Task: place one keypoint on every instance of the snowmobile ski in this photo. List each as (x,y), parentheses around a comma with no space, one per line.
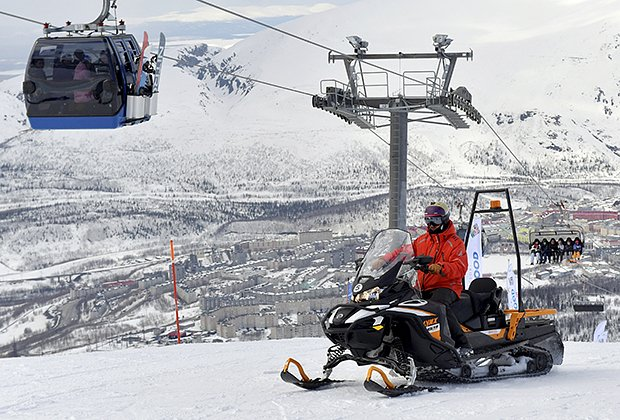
(305,381)
(390,389)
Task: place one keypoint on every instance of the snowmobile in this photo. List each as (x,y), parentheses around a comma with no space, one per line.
(388,324)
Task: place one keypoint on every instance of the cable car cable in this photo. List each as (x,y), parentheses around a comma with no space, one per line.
(517,159)
(409,160)
(262,82)
(316,44)
(306,40)
(580,278)
(22,18)
(301,92)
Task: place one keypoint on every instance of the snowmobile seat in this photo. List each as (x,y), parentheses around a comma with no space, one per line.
(479,306)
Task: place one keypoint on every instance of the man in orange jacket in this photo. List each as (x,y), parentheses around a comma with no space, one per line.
(443,281)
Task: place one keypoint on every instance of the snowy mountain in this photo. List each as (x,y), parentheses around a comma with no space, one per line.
(241,380)
(224,149)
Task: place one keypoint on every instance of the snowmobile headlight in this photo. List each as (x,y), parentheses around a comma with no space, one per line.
(369,295)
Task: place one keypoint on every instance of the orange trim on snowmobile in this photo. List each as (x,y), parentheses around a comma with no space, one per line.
(532,312)
(304,377)
(388,384)
(497,336)
(514,322)
(433,327)
(516,316)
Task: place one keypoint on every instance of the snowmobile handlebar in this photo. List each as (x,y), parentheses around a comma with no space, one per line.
(421,262)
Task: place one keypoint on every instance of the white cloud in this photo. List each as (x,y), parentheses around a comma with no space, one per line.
(209,14)
(573,16)
(212,42)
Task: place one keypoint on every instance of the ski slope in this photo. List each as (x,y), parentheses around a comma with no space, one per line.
(240,380)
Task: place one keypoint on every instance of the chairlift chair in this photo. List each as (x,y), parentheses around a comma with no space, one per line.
(557,232)
(589,303)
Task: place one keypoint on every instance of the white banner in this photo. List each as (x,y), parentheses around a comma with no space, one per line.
(511,287)
(474,252)
(600,333)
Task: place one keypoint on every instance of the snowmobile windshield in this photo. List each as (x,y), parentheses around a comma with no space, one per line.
(389,247)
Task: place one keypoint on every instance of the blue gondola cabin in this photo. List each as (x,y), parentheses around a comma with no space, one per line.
(86,83)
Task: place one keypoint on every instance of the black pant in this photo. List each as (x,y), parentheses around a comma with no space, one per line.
(447,297)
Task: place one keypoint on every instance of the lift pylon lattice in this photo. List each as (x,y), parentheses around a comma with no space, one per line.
(425,94)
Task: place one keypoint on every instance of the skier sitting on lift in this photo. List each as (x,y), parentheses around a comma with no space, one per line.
(535,252)
(577,250)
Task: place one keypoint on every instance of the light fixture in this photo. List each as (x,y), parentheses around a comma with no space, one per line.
(441,42)
(359,45)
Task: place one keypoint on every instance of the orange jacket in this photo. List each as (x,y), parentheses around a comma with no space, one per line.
(447,250)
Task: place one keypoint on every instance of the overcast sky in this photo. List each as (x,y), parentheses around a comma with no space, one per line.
(180,19)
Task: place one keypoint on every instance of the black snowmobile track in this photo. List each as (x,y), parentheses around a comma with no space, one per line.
(433,374)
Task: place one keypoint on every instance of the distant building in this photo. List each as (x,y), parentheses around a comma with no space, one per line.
(187,296)
(595,215)
(179,270)
(290,331)
(239,256)
(193,262)
(315,236)
(271,244)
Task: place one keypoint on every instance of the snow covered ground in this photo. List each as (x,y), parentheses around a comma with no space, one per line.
(241,380)
(5,270)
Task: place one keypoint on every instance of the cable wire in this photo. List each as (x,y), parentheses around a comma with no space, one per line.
(581,278)
(409,160)
(517,159)
(316,44)
(251,79)
(306,40)
(22,18)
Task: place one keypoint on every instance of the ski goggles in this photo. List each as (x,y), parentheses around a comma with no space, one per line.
(433,220)
(434,210)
